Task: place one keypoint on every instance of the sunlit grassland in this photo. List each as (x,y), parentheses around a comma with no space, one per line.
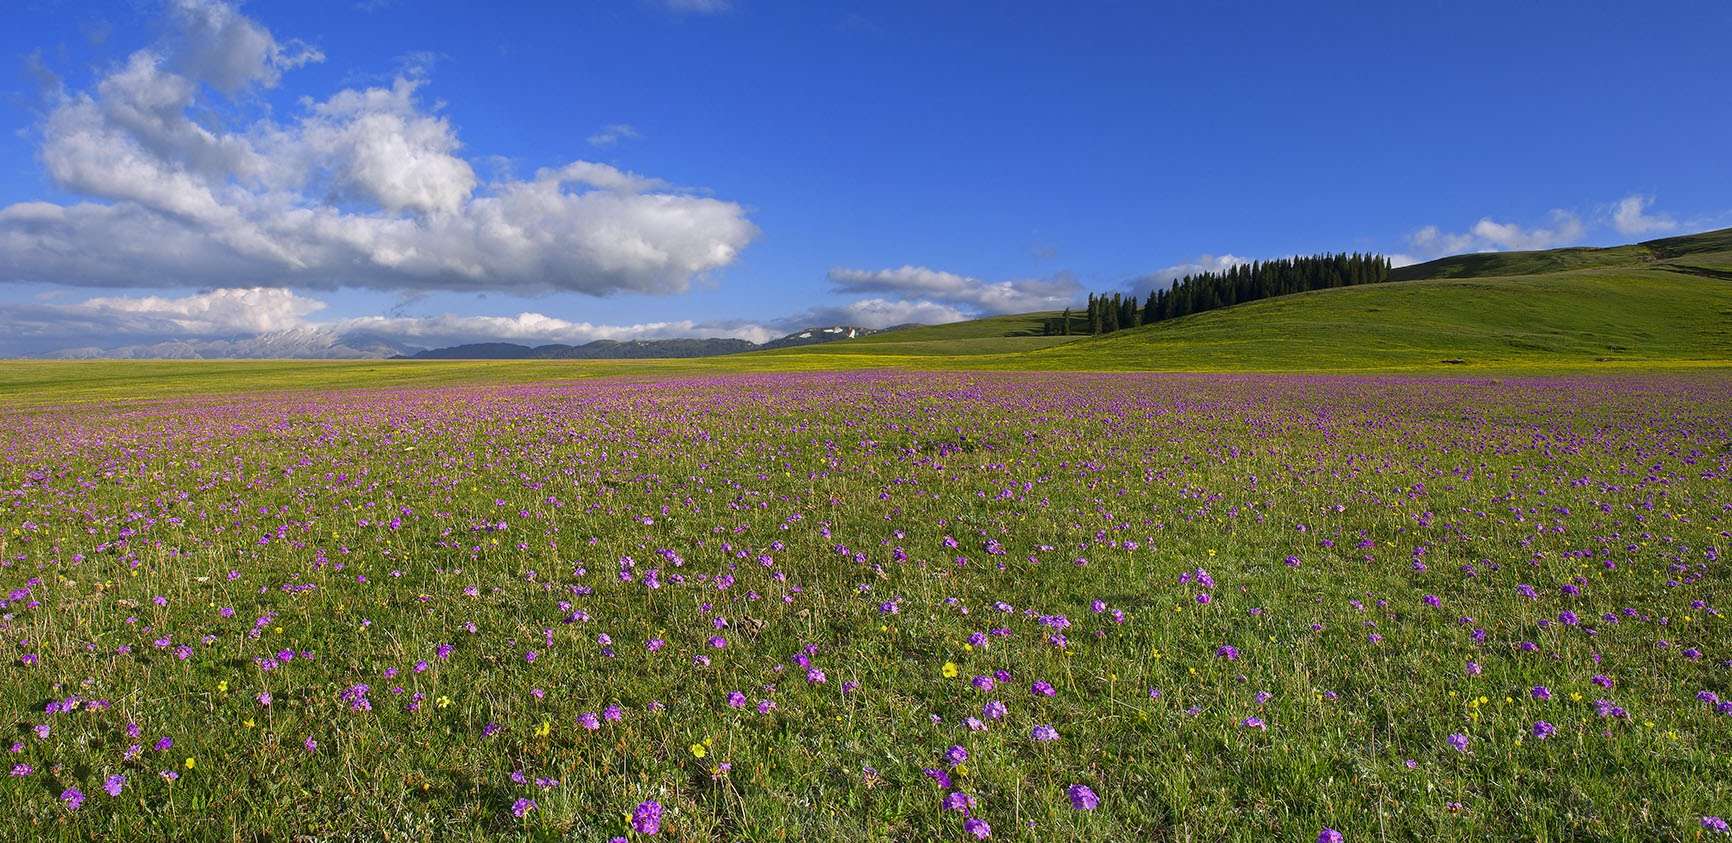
(874,524)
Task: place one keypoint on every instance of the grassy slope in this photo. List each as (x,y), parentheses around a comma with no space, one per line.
(1573,320)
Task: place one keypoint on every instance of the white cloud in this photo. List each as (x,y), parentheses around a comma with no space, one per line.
(613,133)
(378,148)
(700,7)
(227,311)
(365,188)
(931,285)
(276,322)
(536,328)
(220,46)
(1489,235)
(1566,229)
(878,313)
(1629,216)
(1161,278)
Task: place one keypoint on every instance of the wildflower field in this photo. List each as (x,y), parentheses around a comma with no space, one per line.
(874,606)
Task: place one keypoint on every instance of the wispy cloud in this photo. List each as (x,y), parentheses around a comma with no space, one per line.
(961,291)
(612,134)
(697,7)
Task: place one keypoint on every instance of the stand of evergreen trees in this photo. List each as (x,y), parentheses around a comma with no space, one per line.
(1237,285)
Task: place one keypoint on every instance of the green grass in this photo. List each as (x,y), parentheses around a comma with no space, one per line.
(1490,264)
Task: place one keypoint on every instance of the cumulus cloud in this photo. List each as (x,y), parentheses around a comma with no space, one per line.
(1630,216)
(254,310)
(1489,235)
(923,285)
(220,46)
(877,313)
(276,322)
(535,328)
(365,188)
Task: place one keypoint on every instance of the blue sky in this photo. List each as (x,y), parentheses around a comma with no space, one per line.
(343,177)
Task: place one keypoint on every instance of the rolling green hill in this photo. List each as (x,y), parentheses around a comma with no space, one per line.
(1661,302)
(1709,249)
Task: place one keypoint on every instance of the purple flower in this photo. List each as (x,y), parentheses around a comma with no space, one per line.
(1082,798)
(1044,733)
(522,807)
(1716,825)
(1541,692)
(1227,652)
(73,797)
(977,827)
(647,819)
(959,802)
(1330,835)
(1458,741)
(955,755)
(1543,730)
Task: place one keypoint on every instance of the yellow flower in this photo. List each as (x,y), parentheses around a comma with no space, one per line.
(444,702)
(698,750)
(190,763)
(542,730)
(223,687)
(248,723)
(949,670)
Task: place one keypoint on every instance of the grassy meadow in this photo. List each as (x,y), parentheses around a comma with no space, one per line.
(874,606)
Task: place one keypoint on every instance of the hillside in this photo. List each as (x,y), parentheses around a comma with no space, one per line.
(1663,301)
(1709,250)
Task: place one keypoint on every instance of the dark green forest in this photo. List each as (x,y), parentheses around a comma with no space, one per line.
(1205,291)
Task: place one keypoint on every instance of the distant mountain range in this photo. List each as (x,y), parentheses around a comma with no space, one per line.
(629,349)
